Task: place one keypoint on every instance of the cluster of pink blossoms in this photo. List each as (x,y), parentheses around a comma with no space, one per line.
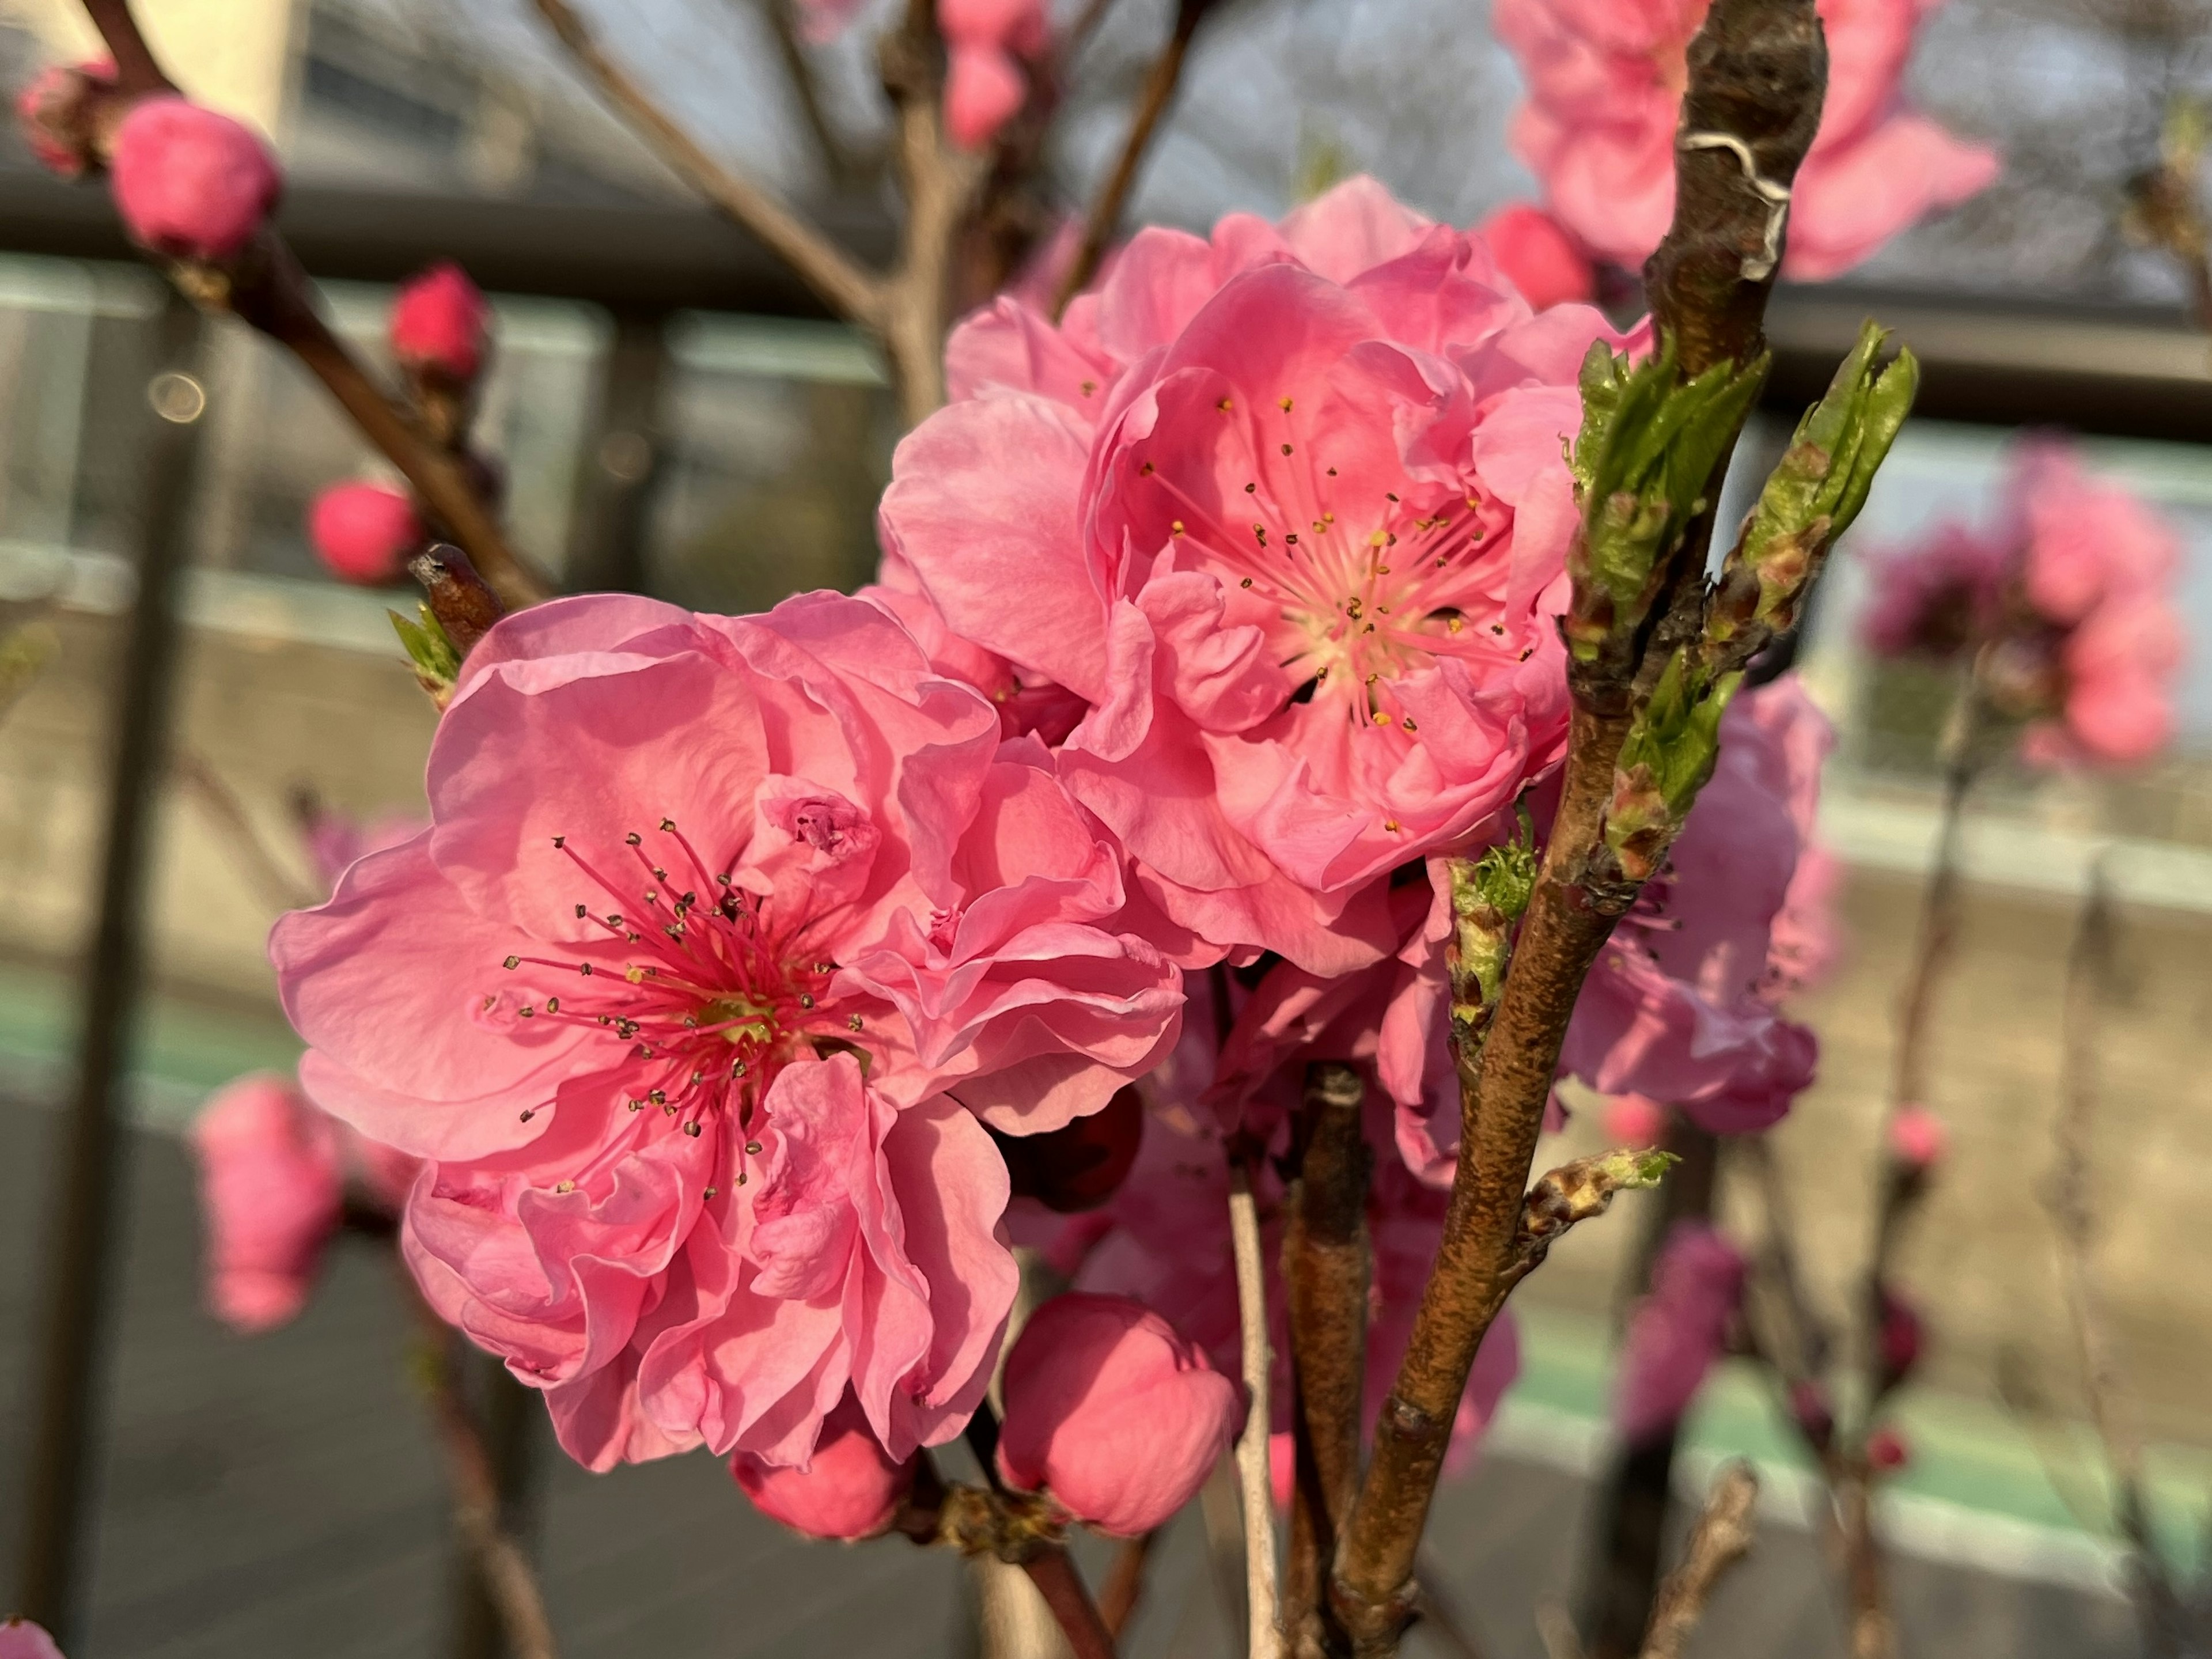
(1605,80)
(2064,604)
(745,960)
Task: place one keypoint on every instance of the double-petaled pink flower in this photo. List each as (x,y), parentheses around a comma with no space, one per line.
(1282,557)
(1605,80)
(725,932)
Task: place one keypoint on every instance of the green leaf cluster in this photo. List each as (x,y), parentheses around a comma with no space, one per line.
(1649,444)
(429,648)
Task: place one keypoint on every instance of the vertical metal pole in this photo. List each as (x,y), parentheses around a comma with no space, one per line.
(81,1250)
(607,548)
(509,1417)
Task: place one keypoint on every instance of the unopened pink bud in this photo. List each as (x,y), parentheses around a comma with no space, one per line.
(1534,250)
(272,1194)
(190,182)
(849,1489)
(1111,1412)
(1902,1336)
(1634,1121)
(54,113)
(22,1640)
(1917,1139)
(1885,1449)
(1283,1468)
(440,323)
(364,531)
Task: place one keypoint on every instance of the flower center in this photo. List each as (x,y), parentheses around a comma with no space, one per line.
(707,991)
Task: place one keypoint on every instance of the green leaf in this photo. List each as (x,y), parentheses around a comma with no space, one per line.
(437,664)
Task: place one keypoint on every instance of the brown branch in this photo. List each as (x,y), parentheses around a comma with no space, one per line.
(1255,1488)
(1019,1528)
(1723,1535)
(1757,68)
(798,71)
(508,1577)
(1124,1582)
(848,290)
(1053,1574)
(1326,1275)
(266,288)
(279,887)
(1159,91)
(2158,1607)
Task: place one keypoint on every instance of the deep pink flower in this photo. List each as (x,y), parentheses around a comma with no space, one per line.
(778,912)
(1291,524)
(272,1190)
(22,1640)
(848,1489)
(1605,82)
(364,532)
(191,184)
(52,113)
(1935,599)
(1535,251)
(1113,1412)
(1678,1329)
(1680,1005)
(440,325)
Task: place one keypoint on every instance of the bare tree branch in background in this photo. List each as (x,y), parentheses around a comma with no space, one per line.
(276,884)
(837,158)
(1724,1534)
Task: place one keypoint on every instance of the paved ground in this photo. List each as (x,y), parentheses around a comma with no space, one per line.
(276,1497)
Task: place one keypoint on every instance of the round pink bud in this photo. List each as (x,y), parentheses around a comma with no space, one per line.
(54,112)
(848,1489)
(440,324)
(1111,1412)
(1917,1139)
(190,183)
(1634,1121)
(1885,1449)
(364,531)
(1534,250)
(22,1640)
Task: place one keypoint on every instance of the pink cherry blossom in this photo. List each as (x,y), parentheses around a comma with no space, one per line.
(1678,1330)
(1113,1412)
(1680,1005)
(848,1489)
(724,931)
(271,1193)
(22,1640)
(1535,251)
(53,114)
(191,184)
(440,325)
(364,532)
(1291,526)
(1605,82)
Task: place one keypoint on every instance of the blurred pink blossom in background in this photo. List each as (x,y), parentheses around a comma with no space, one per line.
(50,113)
(22,1640)
(364,532)
(985,42)
(1605,81)
(1677,1331)
(440,325)
(273,1191)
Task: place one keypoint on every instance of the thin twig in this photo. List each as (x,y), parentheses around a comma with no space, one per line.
(849,290)
(279,887)
(1263,1637)
(1723,1535)
(509,1579)
(1326,1274)
(2159,1606)
(1159,90)
(1124,1581)
(806,87)
(267,288)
